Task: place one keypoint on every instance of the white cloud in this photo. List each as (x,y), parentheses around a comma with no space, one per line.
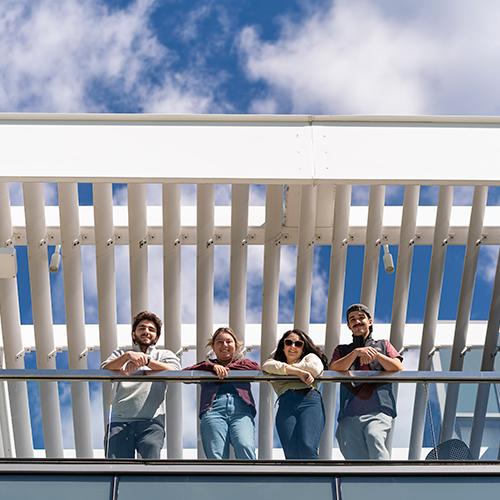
(463,195)
(16,193)
(487,262)
(76,56)
(379,57)
(360,195)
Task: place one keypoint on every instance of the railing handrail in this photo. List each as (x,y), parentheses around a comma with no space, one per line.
(191,376)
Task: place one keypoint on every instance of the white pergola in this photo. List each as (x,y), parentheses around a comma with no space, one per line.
(308,165)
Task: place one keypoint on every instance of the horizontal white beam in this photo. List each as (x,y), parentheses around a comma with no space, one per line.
(426,218)
(413,334)
(276,149)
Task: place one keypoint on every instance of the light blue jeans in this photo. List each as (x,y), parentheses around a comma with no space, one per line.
(228,421)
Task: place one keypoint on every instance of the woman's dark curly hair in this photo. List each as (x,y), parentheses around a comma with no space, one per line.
(309,347)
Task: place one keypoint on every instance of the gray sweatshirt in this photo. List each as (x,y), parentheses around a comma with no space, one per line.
(140,400)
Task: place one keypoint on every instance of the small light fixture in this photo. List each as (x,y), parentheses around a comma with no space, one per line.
(55,260)
(388,261)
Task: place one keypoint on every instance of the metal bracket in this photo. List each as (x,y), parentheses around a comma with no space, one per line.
(347,240)
(184,349)
(414,240)
(143,242)
(465,350)
(447,239)
(481,239)
(433,351)
(52,354)
(84,353)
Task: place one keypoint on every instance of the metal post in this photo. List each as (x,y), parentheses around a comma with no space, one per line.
(372,246)
(487,364)
(238,270)
(403,270)
(204,272)
(270,296)
(138,247)
(464,306)
(172,308)
(431,315)
(106,282)
(407,239)
(36,233)
(340,241)
(12,340)
(75,320)
(6,434)
(305,254)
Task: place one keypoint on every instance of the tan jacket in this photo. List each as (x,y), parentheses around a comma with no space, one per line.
(310,363)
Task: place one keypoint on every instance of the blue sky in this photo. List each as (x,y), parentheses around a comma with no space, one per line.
(256,56)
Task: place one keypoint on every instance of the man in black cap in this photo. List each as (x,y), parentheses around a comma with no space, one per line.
(366,410)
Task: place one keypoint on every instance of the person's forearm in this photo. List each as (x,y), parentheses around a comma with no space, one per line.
(293,370)
(343,364)
(117,363)
(160,366)
(389,364)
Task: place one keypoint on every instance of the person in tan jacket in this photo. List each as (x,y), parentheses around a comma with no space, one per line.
(300,419)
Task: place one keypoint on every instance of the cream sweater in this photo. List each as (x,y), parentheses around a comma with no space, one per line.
(310,363)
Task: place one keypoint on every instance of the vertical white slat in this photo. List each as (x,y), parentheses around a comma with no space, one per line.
(106,281)
(138,247)
(403,268)
(42,314)
(407,239)
(372,246)
(464,306)
(338,256)
(431,315)
(75,317)
(12,340)
(172,308)
(204,272)
(239,250)
(487,364)
(305,254)
(6,434)
(270,296)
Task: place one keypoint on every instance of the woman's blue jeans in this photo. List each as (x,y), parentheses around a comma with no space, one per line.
(228,421)
(300,421)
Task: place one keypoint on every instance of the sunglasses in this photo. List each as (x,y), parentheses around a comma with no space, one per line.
(296,343)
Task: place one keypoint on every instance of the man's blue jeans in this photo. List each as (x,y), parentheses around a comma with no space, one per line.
(228,421)
(145,436)
(300,420)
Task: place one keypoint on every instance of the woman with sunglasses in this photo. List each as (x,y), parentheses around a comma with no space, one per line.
(301,417)
(227,410)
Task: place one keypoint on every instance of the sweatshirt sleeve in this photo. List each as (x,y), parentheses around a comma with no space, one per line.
(168,357)
(206,366)
(274,367)
(244,364)
(312,364)
(114,355)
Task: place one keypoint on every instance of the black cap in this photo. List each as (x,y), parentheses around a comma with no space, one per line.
(357,307)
